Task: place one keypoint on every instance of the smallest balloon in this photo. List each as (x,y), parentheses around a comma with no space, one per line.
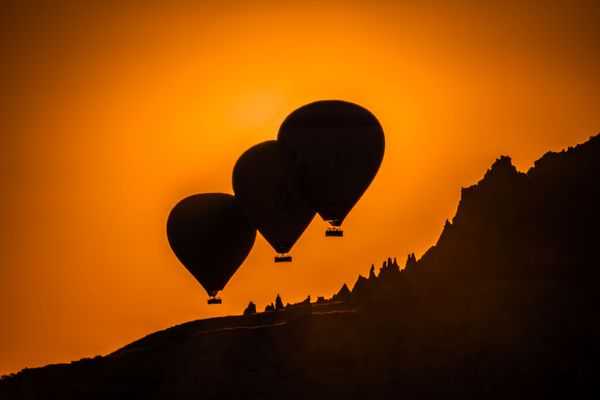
(211,236)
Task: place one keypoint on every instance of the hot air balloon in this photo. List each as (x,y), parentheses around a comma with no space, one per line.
(268,196)
(332,149)
(211,236)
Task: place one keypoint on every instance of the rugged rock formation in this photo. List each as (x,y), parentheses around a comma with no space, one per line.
(251,309)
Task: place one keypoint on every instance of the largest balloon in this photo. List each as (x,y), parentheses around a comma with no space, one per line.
(333,150)
(211,236)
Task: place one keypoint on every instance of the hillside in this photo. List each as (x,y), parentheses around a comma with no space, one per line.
(503,306)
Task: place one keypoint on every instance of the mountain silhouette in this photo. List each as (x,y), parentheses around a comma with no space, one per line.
(504,305)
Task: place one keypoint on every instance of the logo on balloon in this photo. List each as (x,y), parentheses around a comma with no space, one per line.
(280,189)
(349,161)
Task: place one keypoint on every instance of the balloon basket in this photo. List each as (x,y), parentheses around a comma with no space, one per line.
(283,258)
(334,232)
(214,300)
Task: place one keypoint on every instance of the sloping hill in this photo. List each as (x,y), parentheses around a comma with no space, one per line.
(503,306)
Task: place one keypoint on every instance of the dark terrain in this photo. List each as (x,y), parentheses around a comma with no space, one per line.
(503,306)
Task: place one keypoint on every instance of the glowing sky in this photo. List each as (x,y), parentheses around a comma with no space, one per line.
(111,114)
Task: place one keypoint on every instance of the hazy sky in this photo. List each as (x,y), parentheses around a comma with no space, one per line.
(110,114)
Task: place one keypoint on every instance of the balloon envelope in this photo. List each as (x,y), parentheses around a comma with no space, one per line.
(333,150)
(211,236)
(269,198)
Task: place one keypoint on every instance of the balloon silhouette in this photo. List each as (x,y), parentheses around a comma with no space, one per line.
(269,198)
(211,236)
(332,149)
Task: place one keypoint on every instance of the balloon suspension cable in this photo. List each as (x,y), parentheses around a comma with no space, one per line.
(214,300)
(334,231)
(279,258)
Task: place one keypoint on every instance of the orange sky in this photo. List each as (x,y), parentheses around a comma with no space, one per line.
(111,114)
